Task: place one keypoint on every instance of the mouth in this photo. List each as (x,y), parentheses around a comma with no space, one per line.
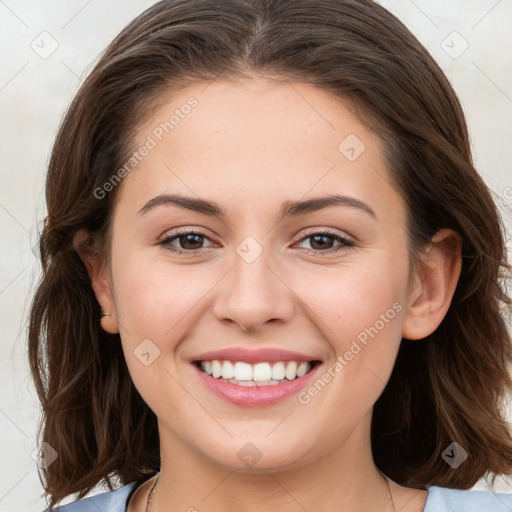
(255,377)
(262,374)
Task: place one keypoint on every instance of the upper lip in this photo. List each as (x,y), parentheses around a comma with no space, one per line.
(253,355)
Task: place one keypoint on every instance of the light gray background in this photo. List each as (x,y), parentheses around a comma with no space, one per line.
(35,89)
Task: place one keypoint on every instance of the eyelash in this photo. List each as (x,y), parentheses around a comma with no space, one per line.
(346,244)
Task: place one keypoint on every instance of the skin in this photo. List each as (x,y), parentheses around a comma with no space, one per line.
(250,146)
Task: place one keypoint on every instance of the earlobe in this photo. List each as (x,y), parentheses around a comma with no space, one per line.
(99,279)
(435,285)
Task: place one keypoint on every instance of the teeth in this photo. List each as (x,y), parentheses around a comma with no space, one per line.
(228,370)
(278,371)
(259,374)
(216,369)
(302,369)
(248,383)
(251,383)
(243,371)
(291,370)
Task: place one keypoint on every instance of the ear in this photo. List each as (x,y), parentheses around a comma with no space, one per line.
(99,277)
(434,287)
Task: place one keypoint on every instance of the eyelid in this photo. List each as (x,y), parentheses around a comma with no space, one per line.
(187,229)
(304,233)
(345,243)
(175,233)
(307,232)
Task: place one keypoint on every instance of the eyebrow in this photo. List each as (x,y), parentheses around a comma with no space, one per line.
(288,208)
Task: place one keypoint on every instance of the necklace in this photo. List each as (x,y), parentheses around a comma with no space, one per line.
(151,492)
(153,488)
(390,498)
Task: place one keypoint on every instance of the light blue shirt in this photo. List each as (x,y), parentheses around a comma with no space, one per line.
(439,499)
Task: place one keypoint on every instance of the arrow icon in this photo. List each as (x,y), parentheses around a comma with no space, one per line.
(454,455)
(44,44)
(454,45)
(351,147)
(249,454)
(249,249)
(146,352)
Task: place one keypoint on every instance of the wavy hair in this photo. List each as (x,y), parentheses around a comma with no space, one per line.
(449,387)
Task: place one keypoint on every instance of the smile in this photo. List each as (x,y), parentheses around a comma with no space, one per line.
(255,385)
(260,374)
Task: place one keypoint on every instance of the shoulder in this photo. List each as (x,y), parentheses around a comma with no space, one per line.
(110,501)
(442,499)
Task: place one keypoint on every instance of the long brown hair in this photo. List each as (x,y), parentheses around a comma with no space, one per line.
(447,388)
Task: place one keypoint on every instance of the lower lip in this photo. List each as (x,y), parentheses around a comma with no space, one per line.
(255,396)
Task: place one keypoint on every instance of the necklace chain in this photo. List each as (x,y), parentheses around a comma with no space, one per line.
(153,488)
(151,492)
(390,497)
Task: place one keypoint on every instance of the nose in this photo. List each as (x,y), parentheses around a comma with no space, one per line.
(254,294)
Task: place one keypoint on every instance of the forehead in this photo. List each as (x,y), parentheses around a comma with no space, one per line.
(257,141)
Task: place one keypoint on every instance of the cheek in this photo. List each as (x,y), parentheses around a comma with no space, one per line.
(358,312)
(156,305)
(351,299)
(158,300)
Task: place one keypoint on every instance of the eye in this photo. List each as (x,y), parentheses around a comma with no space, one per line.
(321,244)
(189,240)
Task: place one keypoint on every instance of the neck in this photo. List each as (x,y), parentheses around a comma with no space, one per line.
(345,478)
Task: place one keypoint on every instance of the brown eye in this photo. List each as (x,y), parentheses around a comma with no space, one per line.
(188,242)
(323,242)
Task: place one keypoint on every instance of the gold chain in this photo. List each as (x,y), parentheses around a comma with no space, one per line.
(151,492)
(153,488)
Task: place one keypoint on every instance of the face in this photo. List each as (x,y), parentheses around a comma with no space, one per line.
(269,280)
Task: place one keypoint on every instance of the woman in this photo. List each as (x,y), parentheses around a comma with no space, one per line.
(272,275)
